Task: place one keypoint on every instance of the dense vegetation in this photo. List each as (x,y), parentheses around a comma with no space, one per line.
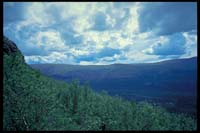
(32,101)
(171,84)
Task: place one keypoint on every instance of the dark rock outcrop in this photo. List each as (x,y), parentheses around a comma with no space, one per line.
(10,50)
(9,47)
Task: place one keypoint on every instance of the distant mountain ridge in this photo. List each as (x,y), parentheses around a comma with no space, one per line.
(69,72)
(169,80)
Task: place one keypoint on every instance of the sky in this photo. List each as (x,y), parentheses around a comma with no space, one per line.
(101,33)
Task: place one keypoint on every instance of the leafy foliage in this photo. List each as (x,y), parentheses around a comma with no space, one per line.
(35,102)
(173,84)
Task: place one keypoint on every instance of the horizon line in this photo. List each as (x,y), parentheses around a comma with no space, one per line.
(112,63)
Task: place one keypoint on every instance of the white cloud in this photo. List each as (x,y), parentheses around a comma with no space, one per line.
(81,24)
(191,44)
(98,38)
(110,59)
(159,41)
(79,52)
(54,57)
(37,13)
(48,40)
(168,46)
(68,28)
(110,21)
(86,63)
(132,25)
(79,14)
(190,38)
(140,57)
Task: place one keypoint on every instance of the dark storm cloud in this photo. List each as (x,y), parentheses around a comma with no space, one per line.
(175,46)
(168,17)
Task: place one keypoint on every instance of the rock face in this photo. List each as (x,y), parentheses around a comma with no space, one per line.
(11,52)
(9,47)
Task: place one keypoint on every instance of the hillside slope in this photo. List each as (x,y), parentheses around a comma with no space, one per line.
(179,76)
(32,101)
(172,84)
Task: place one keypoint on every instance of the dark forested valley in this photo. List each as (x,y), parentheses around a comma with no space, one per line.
(171,84)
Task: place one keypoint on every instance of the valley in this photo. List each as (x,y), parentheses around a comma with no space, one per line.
(168,83)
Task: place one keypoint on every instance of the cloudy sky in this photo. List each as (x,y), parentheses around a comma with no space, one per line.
(102,33)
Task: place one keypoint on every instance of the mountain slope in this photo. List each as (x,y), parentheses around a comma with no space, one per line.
(172,84)
(26,92)
(183,73)
(32,101)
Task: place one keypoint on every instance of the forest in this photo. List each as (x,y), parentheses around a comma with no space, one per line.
(171,84)
(32,101)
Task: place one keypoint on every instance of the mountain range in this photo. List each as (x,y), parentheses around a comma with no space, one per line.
(171,83)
